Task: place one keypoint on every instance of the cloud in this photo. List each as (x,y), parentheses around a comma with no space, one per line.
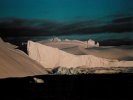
(118,25)
(116,42)
(25,27)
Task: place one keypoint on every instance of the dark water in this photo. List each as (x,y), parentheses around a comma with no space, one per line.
(75,87)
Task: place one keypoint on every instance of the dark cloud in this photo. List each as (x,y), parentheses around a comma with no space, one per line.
(123,20)
(118,25)
(25,27)
(116,42)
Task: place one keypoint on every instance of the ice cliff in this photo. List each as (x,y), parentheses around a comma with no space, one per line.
(51,57)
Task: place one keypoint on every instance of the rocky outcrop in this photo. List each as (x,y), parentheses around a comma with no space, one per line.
(97,70)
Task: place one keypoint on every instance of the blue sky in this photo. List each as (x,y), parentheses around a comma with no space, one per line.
(64,10)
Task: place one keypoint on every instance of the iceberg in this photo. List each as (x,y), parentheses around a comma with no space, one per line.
(50,57)
(15,63)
